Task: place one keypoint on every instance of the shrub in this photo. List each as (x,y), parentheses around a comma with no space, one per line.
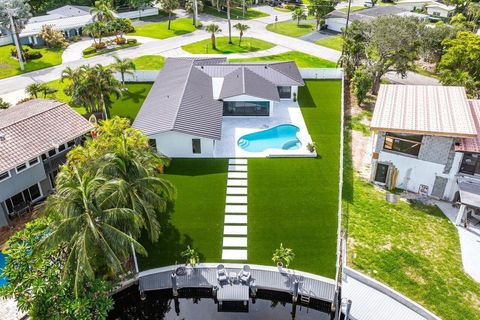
(362,82)
(25,100)
(52,37)
(132,41)
(88,51)
(120,41)
(99,45)
(27,53)
(75,38)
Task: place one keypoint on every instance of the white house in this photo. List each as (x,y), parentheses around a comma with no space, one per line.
(412,5)
(184,110)
(440,10)
(426,138)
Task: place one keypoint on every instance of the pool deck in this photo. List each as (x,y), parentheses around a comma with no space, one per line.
(285,112)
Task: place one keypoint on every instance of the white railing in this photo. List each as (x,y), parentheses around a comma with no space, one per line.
(145,12)
(321,73)
(139,76)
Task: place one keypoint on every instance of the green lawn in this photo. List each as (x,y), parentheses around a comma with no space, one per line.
(290,28)
(126,106)
(149,62)
(197,218)
(280,9)
(123,46)
(223,47)
(333,42)
(235,13)
(10,67)
(302,60)
(158,30)
(294,201)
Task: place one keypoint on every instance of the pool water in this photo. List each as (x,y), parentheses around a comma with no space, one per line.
(3,280)
(283,137)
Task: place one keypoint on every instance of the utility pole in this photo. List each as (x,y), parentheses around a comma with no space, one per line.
(13,29)
(229,23)
(345,30)
(195,13)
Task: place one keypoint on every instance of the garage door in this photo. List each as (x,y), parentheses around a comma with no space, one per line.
(335,24)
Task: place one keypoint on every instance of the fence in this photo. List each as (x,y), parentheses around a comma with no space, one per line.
(139,76)
(144,12)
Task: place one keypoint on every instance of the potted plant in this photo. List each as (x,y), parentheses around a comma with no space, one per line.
(283,256)
(294,97)
(311,146)
(191,257)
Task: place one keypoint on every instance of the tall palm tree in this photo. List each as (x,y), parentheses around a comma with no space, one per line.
(97,232)
(229,23)
(213,29)
(124,66)
(34,89)
(242,28)
(299,14)
(168,6)
(102,11)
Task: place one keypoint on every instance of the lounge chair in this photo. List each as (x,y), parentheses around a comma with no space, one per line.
(221,273)
(244,274)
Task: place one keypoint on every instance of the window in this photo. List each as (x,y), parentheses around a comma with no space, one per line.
(28,195)
(153,144)
(403,143)
(436,14)
(21,167)
(285,92)
(33,162)
(4,176)
(71,143)
(44,157)
(52,152)
(470,163)
(246,108)
(381,173)
(61,147)
(196,146)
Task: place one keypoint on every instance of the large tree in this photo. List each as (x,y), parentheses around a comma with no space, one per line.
(169,6)
(431,45)
(299,14)
(319,8)
(460,65)
(385,44)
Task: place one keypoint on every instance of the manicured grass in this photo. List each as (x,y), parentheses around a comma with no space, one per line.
(290,28)
(123,46)
(280,9)
(302,60)
(149,62)
(222,46)
(10,67)
(197,218)
(333,42)
(126,106)
(294,201)
(353,8)
(235,13)
(158,30)
(412,248)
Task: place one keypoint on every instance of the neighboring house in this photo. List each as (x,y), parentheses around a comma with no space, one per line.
(337,20)
(426,137)
(69,19)
(413,5)
(184,110)
(34,139)
(439,10)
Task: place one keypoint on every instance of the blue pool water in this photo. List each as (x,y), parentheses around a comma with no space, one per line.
(3,280)
(283,137)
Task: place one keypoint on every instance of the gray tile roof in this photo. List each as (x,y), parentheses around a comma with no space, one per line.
(70,11)
(181,98)
(30,127)
(367,14)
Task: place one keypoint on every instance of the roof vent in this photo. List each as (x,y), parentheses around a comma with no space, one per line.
(266,67)
(201,67)
(2,136)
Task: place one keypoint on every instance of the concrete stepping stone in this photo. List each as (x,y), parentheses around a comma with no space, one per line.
(232,208)
(235,242)
(236,199)
(235,219)
(237,183)
(234,254)
(237,167)
(233,190)
(237,161)
(237,175)
(235,230)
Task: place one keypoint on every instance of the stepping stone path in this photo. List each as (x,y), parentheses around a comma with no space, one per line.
(236,207)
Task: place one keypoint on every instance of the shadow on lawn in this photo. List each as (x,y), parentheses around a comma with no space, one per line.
(197,167)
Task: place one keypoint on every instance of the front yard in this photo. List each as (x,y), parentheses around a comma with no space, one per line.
(302,60)
(149,62)
(10,67)
(159,30)
(333,42)
(223,47)
(235,13)
(290,28)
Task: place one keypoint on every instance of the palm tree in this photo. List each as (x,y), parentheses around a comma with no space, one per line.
(34,89)
(96,231)
(229,23)
(102,11)
(213,29)
(124,66)
(96,30)
(168,6)
(299,14)
(242,28)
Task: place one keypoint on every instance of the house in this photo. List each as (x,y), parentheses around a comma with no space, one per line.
(337,20)
(439,10)
(184,113)
(426,139)
(413,5)
(34,139)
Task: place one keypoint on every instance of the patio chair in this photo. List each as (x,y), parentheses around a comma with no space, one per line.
(244,274)
(221,274)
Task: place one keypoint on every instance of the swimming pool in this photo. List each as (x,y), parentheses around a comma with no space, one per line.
(283,137)
(3,280)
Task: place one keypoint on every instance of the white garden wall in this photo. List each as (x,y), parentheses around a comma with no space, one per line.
(139,13)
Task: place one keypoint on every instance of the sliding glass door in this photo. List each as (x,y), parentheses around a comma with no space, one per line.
(246,108)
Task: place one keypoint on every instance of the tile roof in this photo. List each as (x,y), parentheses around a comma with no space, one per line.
(471,144)
(29,129)
(367,14)
(243,81)
(432,110)
(70,11)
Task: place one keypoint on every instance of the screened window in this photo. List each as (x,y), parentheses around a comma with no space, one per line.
(196,146)
(403,143)
(470,163)
(30,194)
(246,108)
(70,143)
(61,148)
(52,152)
(21,167)
(285,92)
(33,162)
(153,143)
(4,175)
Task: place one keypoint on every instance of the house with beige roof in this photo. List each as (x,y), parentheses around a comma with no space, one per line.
(35,137)
(426,139)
